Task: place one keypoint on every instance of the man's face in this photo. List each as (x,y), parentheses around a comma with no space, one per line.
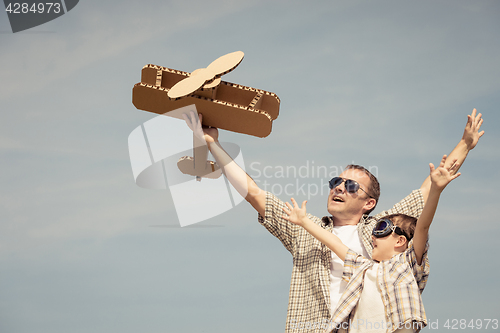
(342,204)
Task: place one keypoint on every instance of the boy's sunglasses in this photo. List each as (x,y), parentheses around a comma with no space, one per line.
(385,227)
(351,186)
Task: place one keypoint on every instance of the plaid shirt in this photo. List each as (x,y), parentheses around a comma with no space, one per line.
(401,281)
(309,308)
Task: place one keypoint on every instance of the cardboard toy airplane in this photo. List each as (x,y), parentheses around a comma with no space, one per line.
(224,105)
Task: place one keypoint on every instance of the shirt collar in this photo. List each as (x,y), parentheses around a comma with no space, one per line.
(328,220)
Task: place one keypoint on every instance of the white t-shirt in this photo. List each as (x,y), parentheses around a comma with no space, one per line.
(349,235)
(370,313)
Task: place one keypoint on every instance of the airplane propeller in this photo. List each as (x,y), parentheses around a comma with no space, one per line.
(198,78)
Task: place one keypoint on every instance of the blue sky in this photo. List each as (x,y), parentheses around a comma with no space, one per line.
(386,84)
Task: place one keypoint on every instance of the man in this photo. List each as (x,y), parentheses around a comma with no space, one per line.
(316,283)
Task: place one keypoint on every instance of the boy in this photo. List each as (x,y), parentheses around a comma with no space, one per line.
(383,294)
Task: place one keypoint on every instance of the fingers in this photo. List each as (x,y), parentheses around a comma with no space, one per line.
(187,120)
(443,160)
(431,166)
(478,126)
(289,208)
(474,121)
(191,120)
(291,212)
(295,205)
(454,167)
(478,118)
(195,119)
(287,211)
(455,176)
(478,121)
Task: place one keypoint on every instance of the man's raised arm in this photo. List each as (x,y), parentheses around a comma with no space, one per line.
(240,180)
(459,153)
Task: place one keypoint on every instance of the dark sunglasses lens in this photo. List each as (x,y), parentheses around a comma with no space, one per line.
(351,186)
(381,226)
(336,181)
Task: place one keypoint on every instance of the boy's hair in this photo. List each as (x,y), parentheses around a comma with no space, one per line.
(373,189)
(405,222)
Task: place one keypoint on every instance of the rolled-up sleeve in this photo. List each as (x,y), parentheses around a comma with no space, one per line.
(411,205)
(351,263)
(420,272)
(274,222)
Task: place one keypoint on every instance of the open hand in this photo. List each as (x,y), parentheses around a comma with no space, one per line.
(442,176)
(194,122)
(296,215)
(471,132)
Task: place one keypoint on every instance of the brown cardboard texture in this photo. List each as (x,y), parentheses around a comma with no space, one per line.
(224,105)
(198,165)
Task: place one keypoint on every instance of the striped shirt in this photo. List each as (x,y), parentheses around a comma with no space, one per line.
(309,308)
(400,280)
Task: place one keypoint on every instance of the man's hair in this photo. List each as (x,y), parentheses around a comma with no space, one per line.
(374,187)
(405,222)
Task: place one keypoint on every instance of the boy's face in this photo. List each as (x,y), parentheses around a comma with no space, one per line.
(384,248)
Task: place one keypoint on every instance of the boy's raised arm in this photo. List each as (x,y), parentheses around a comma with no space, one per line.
(297,215)
(439,178)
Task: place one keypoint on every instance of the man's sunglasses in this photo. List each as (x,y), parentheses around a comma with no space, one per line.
(385,227)
(351,186)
